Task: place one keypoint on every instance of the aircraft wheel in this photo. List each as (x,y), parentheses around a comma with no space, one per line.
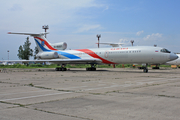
(88,69)
(60,69)
(145,70)
(93,69)
(64,69)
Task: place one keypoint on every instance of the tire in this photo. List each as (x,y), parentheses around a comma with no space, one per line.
(145,70)
(57,69)
(93,69)
(63,69)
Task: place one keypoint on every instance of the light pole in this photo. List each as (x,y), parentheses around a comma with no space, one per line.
(98,36)
(8,55)
(132,41)
(45,27)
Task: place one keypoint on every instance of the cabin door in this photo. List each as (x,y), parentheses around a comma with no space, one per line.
(106,54)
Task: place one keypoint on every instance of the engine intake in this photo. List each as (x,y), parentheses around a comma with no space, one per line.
(60,46)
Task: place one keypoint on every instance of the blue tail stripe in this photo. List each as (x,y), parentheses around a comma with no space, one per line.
(65,54)
(42,48)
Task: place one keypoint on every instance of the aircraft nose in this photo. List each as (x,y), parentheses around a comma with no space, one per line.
(173,56)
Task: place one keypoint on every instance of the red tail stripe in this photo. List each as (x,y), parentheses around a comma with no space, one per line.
(46,43)
(94,55)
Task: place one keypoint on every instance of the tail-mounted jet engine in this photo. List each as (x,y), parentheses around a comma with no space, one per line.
(47,55)
(60,46)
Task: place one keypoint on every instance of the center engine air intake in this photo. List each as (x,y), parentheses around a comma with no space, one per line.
(60,46)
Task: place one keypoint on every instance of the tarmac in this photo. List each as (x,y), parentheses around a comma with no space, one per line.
(76,94)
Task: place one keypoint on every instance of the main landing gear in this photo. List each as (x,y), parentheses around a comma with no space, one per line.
(92,68)
(62,68)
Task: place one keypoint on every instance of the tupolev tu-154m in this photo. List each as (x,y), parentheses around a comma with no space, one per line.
(146,55)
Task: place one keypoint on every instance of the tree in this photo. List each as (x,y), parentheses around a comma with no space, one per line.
(35,52)
(25,51)
(20,53)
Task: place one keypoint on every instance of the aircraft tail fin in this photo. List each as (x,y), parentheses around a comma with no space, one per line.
(41,41)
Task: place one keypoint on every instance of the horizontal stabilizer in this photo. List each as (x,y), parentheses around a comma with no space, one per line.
(31,34)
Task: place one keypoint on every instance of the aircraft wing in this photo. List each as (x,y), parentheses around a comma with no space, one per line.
(62,61)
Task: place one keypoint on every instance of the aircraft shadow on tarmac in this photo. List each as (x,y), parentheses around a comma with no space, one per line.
(163,71)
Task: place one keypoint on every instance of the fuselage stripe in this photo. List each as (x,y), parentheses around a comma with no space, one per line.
(42,48)
(46,43)
(94,55)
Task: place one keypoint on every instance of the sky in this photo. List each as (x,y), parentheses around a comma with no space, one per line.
(77,22)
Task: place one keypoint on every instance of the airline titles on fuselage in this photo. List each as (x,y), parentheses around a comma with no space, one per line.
(119,48)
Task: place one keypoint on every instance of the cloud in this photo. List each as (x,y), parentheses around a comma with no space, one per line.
(126,41)
(85,28)
(139,33)
(153,36)
(63,17)
(16,7)
(31,15)
(123,40)
(106,8)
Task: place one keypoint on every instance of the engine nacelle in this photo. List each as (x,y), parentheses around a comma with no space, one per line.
(60,46)
(47,55)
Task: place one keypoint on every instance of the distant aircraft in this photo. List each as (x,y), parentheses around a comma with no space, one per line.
(116,55)
(174,62)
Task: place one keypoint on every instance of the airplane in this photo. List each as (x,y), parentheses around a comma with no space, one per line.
(174,62)
(117,55)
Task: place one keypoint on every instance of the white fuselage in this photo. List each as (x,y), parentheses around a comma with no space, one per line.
(120,55)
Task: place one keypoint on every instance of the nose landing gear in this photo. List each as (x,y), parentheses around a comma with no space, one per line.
(145,70)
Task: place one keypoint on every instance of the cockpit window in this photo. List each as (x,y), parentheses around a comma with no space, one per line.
(165,50)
